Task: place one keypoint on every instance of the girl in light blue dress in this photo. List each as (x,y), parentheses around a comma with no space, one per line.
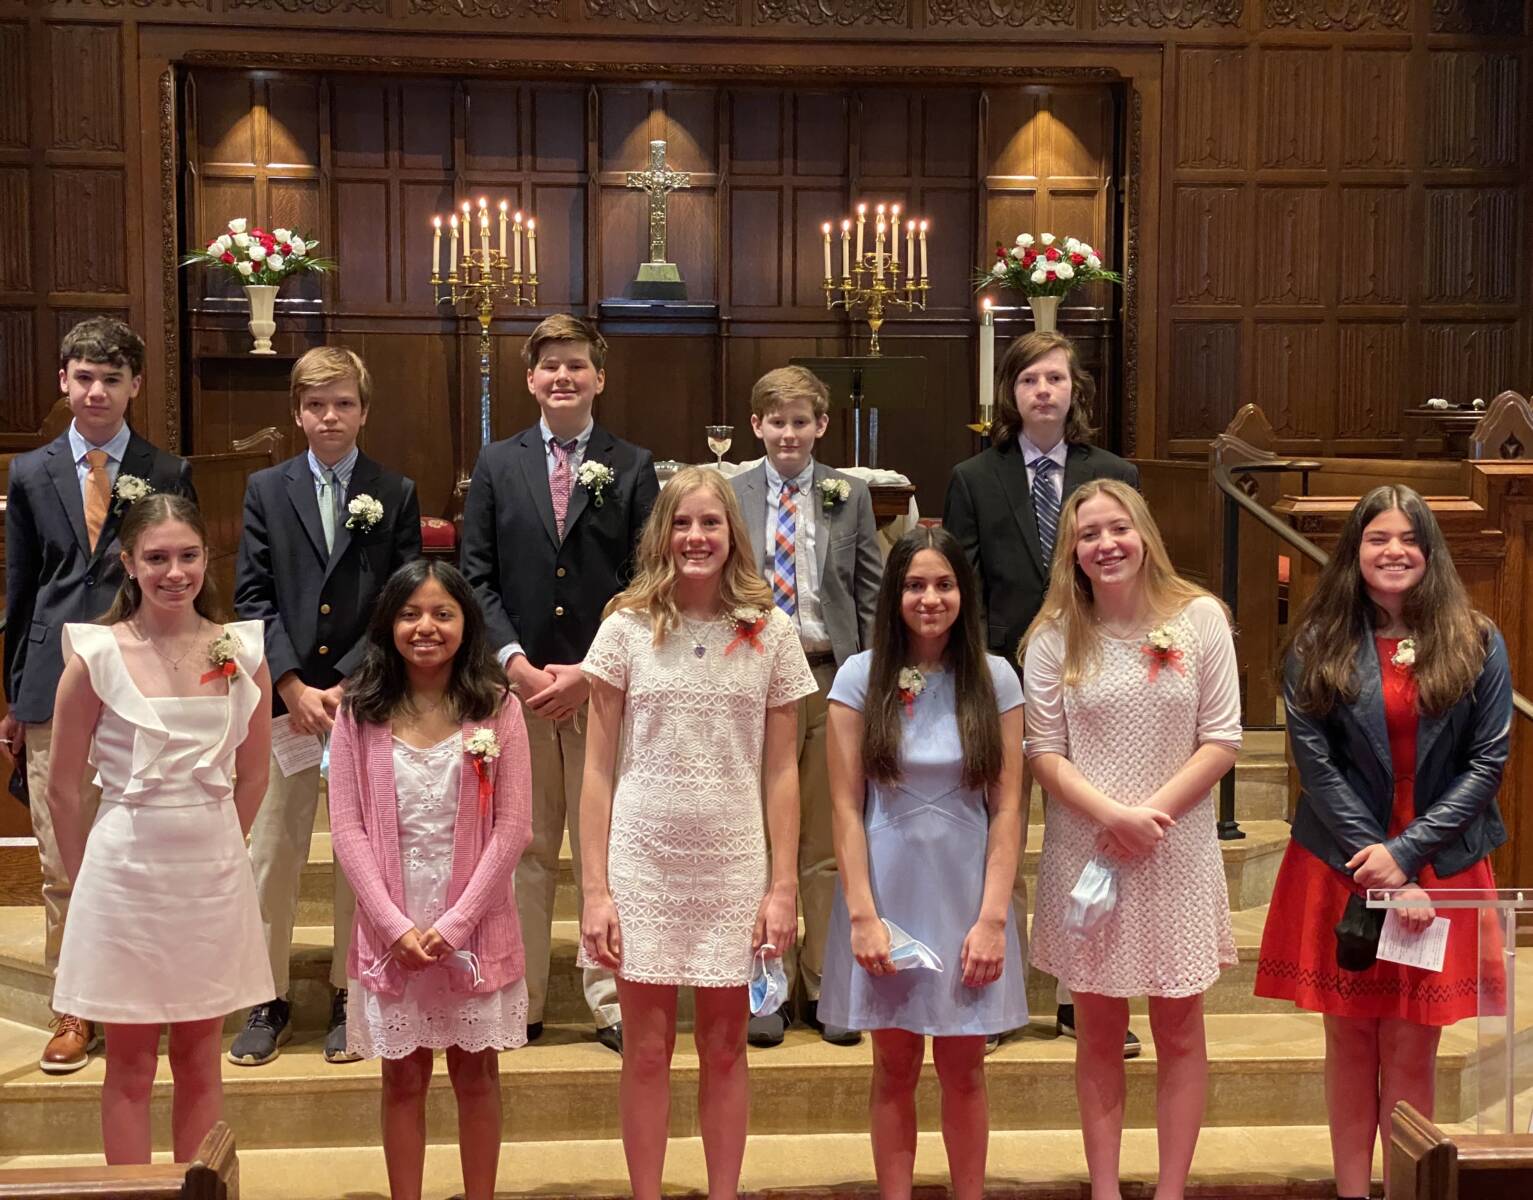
(926,789)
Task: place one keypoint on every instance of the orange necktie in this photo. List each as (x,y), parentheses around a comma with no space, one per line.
(98,494)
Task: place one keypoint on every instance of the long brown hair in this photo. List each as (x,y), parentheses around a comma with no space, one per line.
(653,589)
(1450,635)
(979,719)
(1023,353)
(142,516)
(1069,602)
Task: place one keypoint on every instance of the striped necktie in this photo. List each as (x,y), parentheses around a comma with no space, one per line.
(784,567)
(1046,504)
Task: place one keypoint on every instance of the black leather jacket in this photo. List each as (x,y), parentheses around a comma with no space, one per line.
(1348,783)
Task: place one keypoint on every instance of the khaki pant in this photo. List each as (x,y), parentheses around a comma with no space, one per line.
(279,850)
(816,842)
(56,883)
(558,752)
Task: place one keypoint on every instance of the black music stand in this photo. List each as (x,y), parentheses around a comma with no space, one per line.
(866,384)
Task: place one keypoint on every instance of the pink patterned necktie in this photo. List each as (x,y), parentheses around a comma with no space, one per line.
(559,481)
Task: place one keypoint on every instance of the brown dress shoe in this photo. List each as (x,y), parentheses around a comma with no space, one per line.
(69,1048)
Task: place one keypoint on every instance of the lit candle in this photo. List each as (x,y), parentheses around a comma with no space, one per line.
(825,229)
(484,234)
(452,250)
(894,241)
(516,244)
(846,249)
(503,207)
(436,248)
(862,216)
(986,363)
(910,251)
(924,275)
(532,249)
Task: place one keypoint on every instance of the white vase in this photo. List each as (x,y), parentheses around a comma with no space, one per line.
(1045,311)
(263,303)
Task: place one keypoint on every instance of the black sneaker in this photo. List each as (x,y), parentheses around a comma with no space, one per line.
(767,1031)
(335,1038)
(268,1028)
(1064,1026)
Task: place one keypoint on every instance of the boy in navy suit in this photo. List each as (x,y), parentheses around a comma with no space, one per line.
(62,564)
(813,533)
(313,558)
(549,528)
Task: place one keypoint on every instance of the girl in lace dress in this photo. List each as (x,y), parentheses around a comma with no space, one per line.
(695,678)
(1133,713)
(430,808)
(173,710)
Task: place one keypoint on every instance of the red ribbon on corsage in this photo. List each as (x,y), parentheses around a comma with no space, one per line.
(1159,658)
(486,784)
(748,632)
(908,699)
(227,670)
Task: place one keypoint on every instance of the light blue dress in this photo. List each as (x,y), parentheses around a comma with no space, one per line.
(926,862)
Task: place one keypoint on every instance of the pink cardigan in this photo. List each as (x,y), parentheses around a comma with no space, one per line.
(364,831)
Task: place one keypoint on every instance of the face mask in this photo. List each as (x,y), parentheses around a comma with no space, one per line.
(324,760)
(463,965)
(769,985)
(1094,896)
(907,954)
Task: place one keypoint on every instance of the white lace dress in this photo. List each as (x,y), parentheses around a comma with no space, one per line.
(686,857)
(430,1013)
(1127,734)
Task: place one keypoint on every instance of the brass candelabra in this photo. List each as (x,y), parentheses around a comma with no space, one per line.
(871,281)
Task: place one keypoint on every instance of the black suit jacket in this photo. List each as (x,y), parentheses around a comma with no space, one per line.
(317,606)
(989,509)
(51,574)
(545,593)
(1347,778)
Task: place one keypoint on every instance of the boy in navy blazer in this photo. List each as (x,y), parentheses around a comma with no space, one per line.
(549,527)
(323,533)
(61,564)
(830,589)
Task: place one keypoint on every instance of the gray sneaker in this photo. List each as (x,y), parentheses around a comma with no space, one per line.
(335,1039)
(268,1028)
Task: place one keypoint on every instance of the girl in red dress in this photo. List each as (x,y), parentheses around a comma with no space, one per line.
(1399,701)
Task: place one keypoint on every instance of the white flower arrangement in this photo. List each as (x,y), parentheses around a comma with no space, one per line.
(596,477)
(1404,656)
(256,256)
(129,489)
(365,512)
(834,492)
(1045,266)
(482,744)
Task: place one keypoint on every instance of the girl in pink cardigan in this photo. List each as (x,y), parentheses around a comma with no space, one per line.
(430,808)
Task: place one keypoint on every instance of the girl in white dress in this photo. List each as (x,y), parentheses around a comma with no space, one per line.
(1133,714)
(173,710)
(430,809)
(695,677)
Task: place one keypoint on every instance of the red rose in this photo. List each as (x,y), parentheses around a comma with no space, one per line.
(227,258)
(258,233)
(1077,259)
(1050,276)
(287,249)
(1052,254)
(1029,258)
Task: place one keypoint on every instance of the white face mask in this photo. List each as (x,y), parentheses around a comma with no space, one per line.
(907,954)
(1091,900)
(769,985)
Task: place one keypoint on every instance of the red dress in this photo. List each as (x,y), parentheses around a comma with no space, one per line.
(1298,955)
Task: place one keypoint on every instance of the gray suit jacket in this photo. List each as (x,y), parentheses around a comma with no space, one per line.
(845,548)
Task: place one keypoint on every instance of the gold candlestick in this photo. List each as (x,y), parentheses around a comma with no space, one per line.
(872,281)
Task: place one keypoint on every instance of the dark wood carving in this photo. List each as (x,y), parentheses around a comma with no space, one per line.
(1211,130)
(1205,377)
(14,89)
(1370,391)
(499,10)
(87,87)
(1477,16)
(1471,117)
(1208,246)
(1328,14)
(1288,271)
(1292,98)
(1374,107)
(1465,361)
(1467,232)
(312,6)
(1289,358)
(1374,227)
(1179,14)
(89,247)
(202,4)
(1506,430)
(16,219)
(1015,14)
(666,12)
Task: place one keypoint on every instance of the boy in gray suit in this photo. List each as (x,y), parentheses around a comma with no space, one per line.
(812,531)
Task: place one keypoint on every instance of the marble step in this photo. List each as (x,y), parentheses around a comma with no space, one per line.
(1250,867)
(1266,1070)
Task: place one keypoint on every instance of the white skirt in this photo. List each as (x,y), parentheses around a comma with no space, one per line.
(164,924)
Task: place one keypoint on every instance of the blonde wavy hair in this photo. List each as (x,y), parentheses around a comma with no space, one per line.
(653,589)
(1069,602)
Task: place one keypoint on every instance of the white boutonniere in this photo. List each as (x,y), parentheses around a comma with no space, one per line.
(596,477)
(912,683)
(365,513)
(222,652)
(129,489)
(483,748)
(1404,656)
(1161,648)
(834,492)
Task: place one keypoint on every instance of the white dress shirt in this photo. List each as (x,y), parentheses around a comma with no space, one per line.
(116,446)
(1031,454)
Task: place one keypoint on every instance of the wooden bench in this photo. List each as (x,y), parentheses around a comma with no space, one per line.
(1427,1164)
(213,1175)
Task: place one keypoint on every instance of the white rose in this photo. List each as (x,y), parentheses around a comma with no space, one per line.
(282,234)
(1072,245)
(1047,239)
(999,269)
(1064,270)
(1017,252)
(1093,261)
(237,225)
(1024,239)
(245,268)
(1039,276)
(215,247)
(257,251)
(300,247)
(242,240)
(1083,248)
(225,240)
(274,262)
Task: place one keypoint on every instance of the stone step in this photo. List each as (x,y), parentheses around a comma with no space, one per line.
(1266,1070)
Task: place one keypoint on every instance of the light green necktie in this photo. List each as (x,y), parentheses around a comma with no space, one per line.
(327,508)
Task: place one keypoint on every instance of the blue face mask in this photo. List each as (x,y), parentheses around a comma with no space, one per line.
(1094,896)
(907,954)
(769,985)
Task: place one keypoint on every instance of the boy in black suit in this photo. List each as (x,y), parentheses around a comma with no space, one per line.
(323,533)
(65,504)
(1003,506)
(549,528)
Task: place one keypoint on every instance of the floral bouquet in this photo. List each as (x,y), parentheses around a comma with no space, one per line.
(1045,266)
(257,257)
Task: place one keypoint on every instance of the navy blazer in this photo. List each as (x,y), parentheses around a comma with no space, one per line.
(1348,782)
(989,509)
(317,606)
(52,576)
(535,589)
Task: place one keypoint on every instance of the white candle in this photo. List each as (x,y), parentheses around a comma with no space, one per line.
(516,244)
(878,251)
(862,216)
(825,229)
(532,249)
(846,249)
(484,237)
(436,247)
(986,364)
(894,241)
(452,250)
(502,235)
(910,251)
(924,275)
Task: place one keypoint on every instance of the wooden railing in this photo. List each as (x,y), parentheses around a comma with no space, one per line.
(213,1175)
(1427,1164)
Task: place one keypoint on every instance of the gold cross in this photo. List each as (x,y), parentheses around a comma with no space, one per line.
(657,181)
